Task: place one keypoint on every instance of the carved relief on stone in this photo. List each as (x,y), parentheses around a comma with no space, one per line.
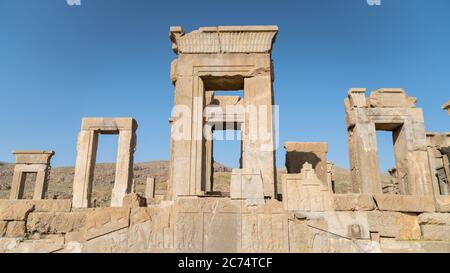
(305,191)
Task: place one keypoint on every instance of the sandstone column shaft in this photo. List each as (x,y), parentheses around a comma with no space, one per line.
(258,135)
(41,185)
(124,167)
(364,159)
(18,183)
(84,169)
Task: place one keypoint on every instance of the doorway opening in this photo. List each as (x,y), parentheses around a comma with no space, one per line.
(104,171)
(29,179)
(389,152)
(227,155)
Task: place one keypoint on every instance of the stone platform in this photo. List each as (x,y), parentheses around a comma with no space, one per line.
(355,224)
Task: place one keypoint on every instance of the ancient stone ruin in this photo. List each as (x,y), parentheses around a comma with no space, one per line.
(222,58)
(28,162)
(296,211)
(86,155)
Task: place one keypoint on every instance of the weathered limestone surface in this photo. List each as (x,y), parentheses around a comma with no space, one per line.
(405,203)
(103,221)
(55,222)
(3,225)
(305,191)
(353,202)
(223,225)
(434,219)
(443,203)
(15,229)
(398,225)
(134,200)
(45,205)
(439,158)
(436,233)
(435,226)
(12,211)
(247,185)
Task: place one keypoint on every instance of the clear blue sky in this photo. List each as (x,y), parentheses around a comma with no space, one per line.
(59,63)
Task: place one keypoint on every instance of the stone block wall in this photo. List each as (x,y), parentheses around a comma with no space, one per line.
(357,223)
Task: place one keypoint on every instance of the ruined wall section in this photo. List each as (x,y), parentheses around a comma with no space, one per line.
(356,224)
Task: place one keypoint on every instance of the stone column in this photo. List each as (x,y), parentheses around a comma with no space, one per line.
(411,157)
(18,183)
(364,158)
(84,168)
(150,188)
(124,167)
(181,128)
(209,161)
(196,185)
(40,188)
(258,130)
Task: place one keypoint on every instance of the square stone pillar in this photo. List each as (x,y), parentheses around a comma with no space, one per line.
(84,168)
(37,162)
(258,151)
(150,188)
(124,167)
(184,152)
(208,165)
(365,170)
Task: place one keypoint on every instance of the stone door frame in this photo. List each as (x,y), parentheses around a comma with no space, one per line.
(86,158)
